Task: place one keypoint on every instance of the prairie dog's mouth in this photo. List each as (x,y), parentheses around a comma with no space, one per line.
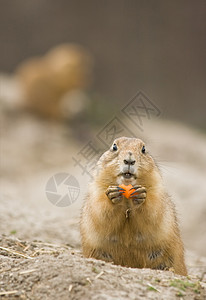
(127,175)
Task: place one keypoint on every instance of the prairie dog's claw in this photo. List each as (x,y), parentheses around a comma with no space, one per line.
(139,195)
(114,193)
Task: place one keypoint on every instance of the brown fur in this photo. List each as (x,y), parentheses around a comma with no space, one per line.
(148,236)
(47,80)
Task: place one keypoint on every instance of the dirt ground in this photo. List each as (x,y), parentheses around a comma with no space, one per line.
(40,250)
(59,272)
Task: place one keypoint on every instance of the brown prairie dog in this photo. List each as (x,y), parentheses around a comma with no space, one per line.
(139,232)
(47,80)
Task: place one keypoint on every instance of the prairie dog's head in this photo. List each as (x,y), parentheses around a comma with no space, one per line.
(126,162)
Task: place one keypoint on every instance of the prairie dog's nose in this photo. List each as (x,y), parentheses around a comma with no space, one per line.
(129,160)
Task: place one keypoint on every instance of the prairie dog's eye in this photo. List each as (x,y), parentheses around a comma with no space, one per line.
(143,149)
(114,147)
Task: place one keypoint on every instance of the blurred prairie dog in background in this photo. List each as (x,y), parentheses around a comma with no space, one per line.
(46,81)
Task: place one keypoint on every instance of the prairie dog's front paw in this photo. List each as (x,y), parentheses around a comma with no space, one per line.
(139,195)
(114,193)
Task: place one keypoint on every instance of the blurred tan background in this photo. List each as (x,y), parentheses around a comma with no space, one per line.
(66,69)
(154,46)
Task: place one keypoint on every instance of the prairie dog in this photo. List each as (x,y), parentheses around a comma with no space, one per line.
(47,80)
(139,232)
